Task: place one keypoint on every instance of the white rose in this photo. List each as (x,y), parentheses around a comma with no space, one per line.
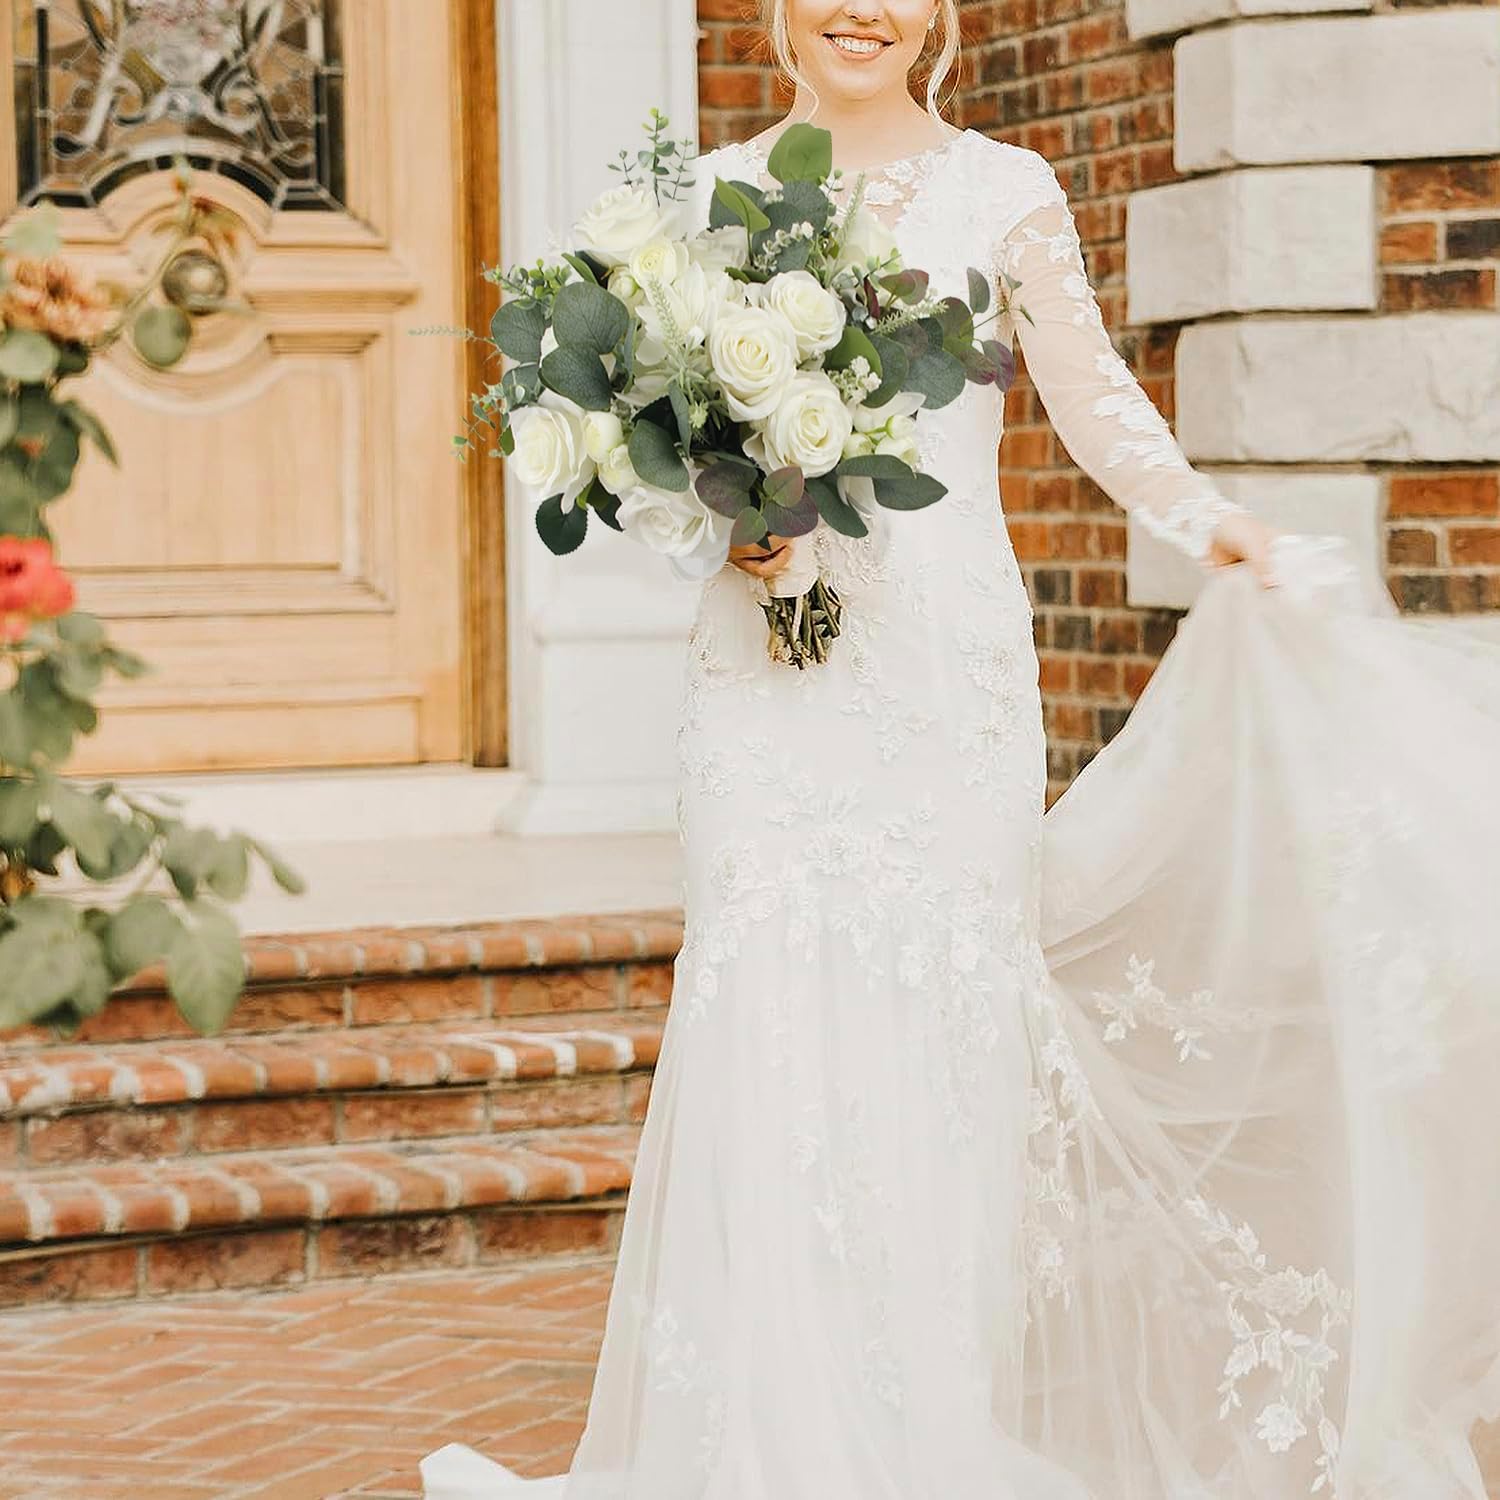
(675,523)
(624,286)
(867,242)
(817,316)
(617,471)
(666,260)
(718,249)
(809,427)
(754,353)
(602,432)
(550,453)
(622,220)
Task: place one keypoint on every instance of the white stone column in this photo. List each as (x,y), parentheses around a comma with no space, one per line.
(1271,254)
(596,638)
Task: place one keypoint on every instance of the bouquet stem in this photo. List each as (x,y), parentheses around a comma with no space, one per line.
(804,627)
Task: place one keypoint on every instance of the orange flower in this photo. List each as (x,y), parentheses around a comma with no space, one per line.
(55,298)
(32,587)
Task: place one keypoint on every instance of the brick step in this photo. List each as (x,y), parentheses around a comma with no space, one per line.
(375,977)
(267,1218)
(151,1100)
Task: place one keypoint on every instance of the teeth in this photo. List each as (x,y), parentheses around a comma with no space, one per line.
(854,44)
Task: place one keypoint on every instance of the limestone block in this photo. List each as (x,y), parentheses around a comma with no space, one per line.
(1165,17)
(1346,505)
(1357,88)
(1252,240)
(1416,387)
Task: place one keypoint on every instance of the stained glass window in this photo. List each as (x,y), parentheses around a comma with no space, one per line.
(108,89)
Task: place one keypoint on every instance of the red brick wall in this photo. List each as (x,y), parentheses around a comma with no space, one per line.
(1062,77)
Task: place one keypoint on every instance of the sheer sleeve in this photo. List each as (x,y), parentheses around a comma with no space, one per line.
(1108,424)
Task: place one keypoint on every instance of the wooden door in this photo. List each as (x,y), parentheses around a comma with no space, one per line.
(283,539)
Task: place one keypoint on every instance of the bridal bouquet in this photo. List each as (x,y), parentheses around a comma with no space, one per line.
(760,377)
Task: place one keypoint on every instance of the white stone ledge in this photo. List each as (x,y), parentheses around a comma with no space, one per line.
(1358,88)
(1412,388)
(1145,18)
(1253,240)
(1346,505)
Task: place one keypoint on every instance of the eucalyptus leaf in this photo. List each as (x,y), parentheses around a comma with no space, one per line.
(853,343)
(784,487)
(794,520)
(749,526)
(979,292)
(938,376)
(738,207)
(894,365)
(10,418)
(281,872)
(578,374)
(726,486)
(517,328)
(834,509)
(897,485)
(654,456)
(588,317)
(88,827)
(802,153)
(683,416)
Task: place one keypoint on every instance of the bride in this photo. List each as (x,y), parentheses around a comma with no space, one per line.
(1144,1152)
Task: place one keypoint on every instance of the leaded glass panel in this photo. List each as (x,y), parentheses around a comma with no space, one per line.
(107,89)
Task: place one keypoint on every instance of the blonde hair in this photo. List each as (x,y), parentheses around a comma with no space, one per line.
(944,57)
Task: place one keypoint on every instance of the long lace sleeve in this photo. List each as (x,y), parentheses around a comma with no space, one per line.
(1108,424)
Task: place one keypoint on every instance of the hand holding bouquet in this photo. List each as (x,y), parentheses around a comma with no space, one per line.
(760,377)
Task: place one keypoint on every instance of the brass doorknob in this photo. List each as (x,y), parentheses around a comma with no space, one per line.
(196,282)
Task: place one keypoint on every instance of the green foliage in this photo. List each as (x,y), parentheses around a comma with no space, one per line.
(165,884)
(562,530)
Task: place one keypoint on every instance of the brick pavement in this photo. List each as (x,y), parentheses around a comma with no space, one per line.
(332,1390)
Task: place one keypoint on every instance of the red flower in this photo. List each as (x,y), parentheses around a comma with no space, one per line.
(32,587)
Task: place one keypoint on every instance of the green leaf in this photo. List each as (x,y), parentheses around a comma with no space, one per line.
(161,335)
(42,959)
(27,356)
(80,629)
(139,934)
(10,418)
(88,827)
(741,207)
(655,457)
(188,854)
(834,509)
(562,530)
(938,376)
(784,487)
(897,485)
(89,426)
(578,374)
(589,317)
(894,367)
(749,526)
(37,233)
(853,343)
(521,385)
(979,292)
(281,872)
(206,967)
(680,410)
(582,266)
(795,519)
(802,153)
(18,811)
(517,327)
(726,486)
(229,873)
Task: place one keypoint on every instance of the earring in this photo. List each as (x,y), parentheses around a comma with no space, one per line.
(932,22)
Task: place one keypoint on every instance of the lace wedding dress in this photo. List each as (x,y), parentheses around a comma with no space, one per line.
(1144,1152)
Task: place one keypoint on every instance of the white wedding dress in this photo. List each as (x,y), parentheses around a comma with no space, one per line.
(1144,1152)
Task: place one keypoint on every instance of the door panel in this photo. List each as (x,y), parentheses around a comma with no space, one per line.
(283,538)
